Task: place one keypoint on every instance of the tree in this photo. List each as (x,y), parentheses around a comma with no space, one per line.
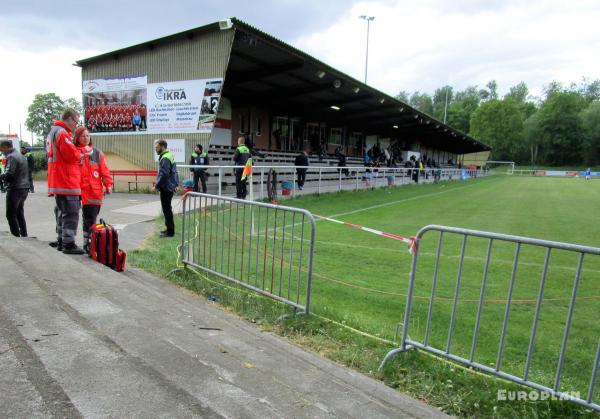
(422,102)
(590,118)
(75,104)
(403,96)
(499,123)
(560,128)
(45,108)
(532,137)
(460,110)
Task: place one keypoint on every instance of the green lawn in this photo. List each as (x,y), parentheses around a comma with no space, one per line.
(360,280)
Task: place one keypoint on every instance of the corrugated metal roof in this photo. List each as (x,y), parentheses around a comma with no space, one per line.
(240,25)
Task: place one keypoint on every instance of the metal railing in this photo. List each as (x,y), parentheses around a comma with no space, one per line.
(266,248)
(473,325)
(321,179)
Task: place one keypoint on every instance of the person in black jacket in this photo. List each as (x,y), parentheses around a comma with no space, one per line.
(167,183)
(30,163)
(301,160)
(199,158)
(17,188)
(341,160)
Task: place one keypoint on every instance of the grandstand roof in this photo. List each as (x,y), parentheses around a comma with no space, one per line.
(265,71)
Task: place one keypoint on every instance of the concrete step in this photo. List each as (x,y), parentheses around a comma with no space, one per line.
(132,345)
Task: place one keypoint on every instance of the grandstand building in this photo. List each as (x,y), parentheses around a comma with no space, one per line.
(211,84)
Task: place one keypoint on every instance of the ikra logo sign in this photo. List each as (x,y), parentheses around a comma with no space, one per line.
(169,94)
(91,85)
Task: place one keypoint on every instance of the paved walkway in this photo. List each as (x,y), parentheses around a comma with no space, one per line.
(80,340)
(131,214)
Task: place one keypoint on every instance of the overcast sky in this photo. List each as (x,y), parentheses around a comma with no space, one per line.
(413,45)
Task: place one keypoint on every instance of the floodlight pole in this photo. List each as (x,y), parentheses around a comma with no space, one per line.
(368,19)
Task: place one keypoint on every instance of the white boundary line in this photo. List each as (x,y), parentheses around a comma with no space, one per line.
(414,198)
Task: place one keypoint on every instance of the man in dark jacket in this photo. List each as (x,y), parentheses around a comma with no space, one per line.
(17,188)
(240,158)
(199,158)
(301,160)
(167,181)
(30,164)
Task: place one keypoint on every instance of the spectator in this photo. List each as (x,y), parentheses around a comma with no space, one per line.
(240,158)
(301,160)
(94,175)
(30,166)
(341,160)
(199,158)
(17,186)
(167,182)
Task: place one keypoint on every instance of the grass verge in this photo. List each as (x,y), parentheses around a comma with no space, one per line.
(450,387)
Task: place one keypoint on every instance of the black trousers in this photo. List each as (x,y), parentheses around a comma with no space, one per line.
(31,182)
(240,185)
(301,177)
(165,201)
(15,214)
(68,216)
(89,214)
(199,175)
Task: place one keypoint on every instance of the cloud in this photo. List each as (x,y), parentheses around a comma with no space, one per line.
(27,73)
(424,45)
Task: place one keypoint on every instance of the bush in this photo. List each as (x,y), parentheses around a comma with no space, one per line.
(40,162)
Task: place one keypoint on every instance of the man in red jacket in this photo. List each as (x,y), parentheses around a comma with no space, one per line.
(64,179)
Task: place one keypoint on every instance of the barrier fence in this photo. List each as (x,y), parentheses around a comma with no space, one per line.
(321,179)
(460,321)
(266,248)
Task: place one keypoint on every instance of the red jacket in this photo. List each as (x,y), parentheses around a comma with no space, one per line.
(94,175)
(64,160)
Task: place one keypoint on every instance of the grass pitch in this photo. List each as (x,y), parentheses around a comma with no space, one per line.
(360,280)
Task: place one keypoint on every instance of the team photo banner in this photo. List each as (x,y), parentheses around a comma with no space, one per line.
(129,105)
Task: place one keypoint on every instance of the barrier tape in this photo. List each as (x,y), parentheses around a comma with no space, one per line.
(411,241)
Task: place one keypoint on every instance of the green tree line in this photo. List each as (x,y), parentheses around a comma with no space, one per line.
(562,127)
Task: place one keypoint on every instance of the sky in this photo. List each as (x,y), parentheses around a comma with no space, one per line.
(413,46)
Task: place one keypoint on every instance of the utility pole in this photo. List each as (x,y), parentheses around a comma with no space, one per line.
(368,19)
(446,106)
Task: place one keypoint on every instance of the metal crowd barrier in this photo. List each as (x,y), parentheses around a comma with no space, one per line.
(266,248)
(321,179)
(469,347)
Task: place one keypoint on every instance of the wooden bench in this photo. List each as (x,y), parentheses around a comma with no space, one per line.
(136,174)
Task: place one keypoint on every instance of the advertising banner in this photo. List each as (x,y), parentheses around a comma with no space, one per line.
(177,149)
(183,106)
(129,105)
(115,105)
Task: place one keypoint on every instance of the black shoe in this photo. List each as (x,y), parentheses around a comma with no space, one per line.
(57,245)
(72,249)
(166,234)
(87,248)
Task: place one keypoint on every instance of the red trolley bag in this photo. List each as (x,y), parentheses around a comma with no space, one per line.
(104,241)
